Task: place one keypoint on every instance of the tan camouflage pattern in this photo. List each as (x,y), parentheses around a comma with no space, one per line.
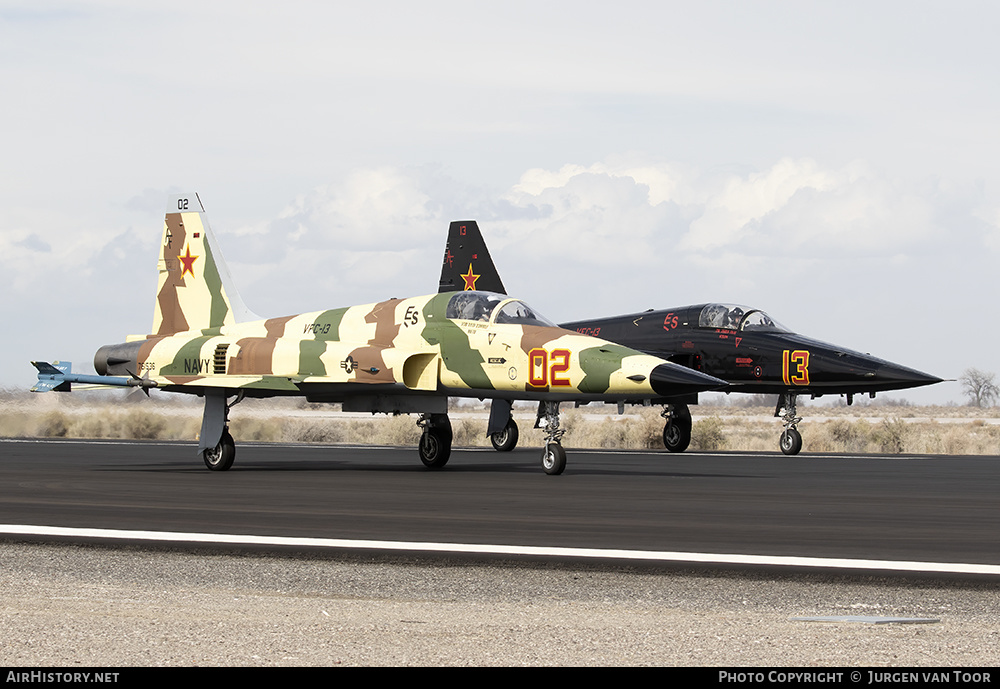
(406,342)
(190,294)
(400,344)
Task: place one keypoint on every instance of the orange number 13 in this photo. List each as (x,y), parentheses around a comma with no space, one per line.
(795,367)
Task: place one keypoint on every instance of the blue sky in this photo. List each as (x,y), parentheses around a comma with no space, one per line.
(832,163)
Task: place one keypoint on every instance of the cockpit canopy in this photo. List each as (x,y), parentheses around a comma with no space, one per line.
(735,317)
(488,306)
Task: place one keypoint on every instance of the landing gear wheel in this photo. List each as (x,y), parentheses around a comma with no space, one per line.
(790,442)
(435,447)
(505,440)
(220,457)
(553,459)
(677,434)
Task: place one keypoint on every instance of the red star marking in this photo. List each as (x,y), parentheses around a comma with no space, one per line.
(188,261)
(470,279)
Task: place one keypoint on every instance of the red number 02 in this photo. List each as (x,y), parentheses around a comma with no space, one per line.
(795,367)
(541,374)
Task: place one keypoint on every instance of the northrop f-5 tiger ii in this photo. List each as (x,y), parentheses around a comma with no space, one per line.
(395,356)
(742,345)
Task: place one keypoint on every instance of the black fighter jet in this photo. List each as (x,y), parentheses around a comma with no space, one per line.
(739,344)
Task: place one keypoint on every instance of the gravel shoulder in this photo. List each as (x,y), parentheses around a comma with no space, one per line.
(67,605)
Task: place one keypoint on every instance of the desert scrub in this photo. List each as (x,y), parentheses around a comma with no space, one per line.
(751,436)
(311,431)
(251,428)
(848,436)
(891,436)
(707,434)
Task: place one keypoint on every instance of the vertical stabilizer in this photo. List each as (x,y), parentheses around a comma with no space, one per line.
(195,290)
(467,262)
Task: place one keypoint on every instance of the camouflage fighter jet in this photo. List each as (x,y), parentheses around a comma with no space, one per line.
(395,356)
(739,344)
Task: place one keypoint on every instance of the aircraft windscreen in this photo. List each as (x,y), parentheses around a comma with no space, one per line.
(473,306)
(481,306)
(735,317)
(519,313)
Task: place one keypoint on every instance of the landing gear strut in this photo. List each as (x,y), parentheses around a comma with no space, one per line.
(677,429)
(553,456)
(790,441)
(215,425)
(435,441)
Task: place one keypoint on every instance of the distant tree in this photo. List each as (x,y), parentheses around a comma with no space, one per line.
(979,387)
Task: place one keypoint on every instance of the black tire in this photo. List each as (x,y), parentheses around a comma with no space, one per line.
(435,447)
(505,440)
(220,457)
(677,434)
(790,442)
(553,459)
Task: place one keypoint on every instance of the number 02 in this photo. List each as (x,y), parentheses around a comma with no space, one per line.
(541,374)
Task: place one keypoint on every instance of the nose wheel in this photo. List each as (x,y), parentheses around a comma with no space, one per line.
(790,440)
(553,455)
(553,459)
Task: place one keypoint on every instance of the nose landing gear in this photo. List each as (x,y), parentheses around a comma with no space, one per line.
(553,456)
(790,441)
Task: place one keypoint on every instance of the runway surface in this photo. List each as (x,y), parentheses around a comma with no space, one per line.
(926,508)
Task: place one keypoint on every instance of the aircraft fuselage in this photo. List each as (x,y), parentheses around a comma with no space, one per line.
(753,356)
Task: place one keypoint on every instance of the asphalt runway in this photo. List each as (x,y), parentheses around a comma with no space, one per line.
(913,508)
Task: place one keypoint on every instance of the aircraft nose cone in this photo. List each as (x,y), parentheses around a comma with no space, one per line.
(902,377)
(673,379)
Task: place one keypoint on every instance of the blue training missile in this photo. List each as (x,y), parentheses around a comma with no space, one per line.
(58,377)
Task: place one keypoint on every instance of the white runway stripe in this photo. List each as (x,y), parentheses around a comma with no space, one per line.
(534,551)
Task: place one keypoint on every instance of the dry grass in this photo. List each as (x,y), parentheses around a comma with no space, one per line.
(892,430)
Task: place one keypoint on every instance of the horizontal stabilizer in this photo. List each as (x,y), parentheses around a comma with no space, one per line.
(50,385)
(55,368)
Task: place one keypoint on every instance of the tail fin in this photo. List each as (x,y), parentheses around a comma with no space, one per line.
(195,290)
(467,263)
(50,376)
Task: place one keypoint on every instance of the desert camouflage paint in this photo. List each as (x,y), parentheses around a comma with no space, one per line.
(429,344)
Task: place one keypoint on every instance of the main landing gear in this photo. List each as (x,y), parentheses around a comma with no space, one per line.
(790,441)
(221,457)
(505,440)
(215,424)
(435,441)
(677,429)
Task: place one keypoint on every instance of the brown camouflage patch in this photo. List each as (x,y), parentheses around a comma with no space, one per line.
(172,317)
(256,355)
(383,315)
(368,358)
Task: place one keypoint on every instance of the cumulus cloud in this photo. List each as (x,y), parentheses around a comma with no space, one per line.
(794,207)
(374,226)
